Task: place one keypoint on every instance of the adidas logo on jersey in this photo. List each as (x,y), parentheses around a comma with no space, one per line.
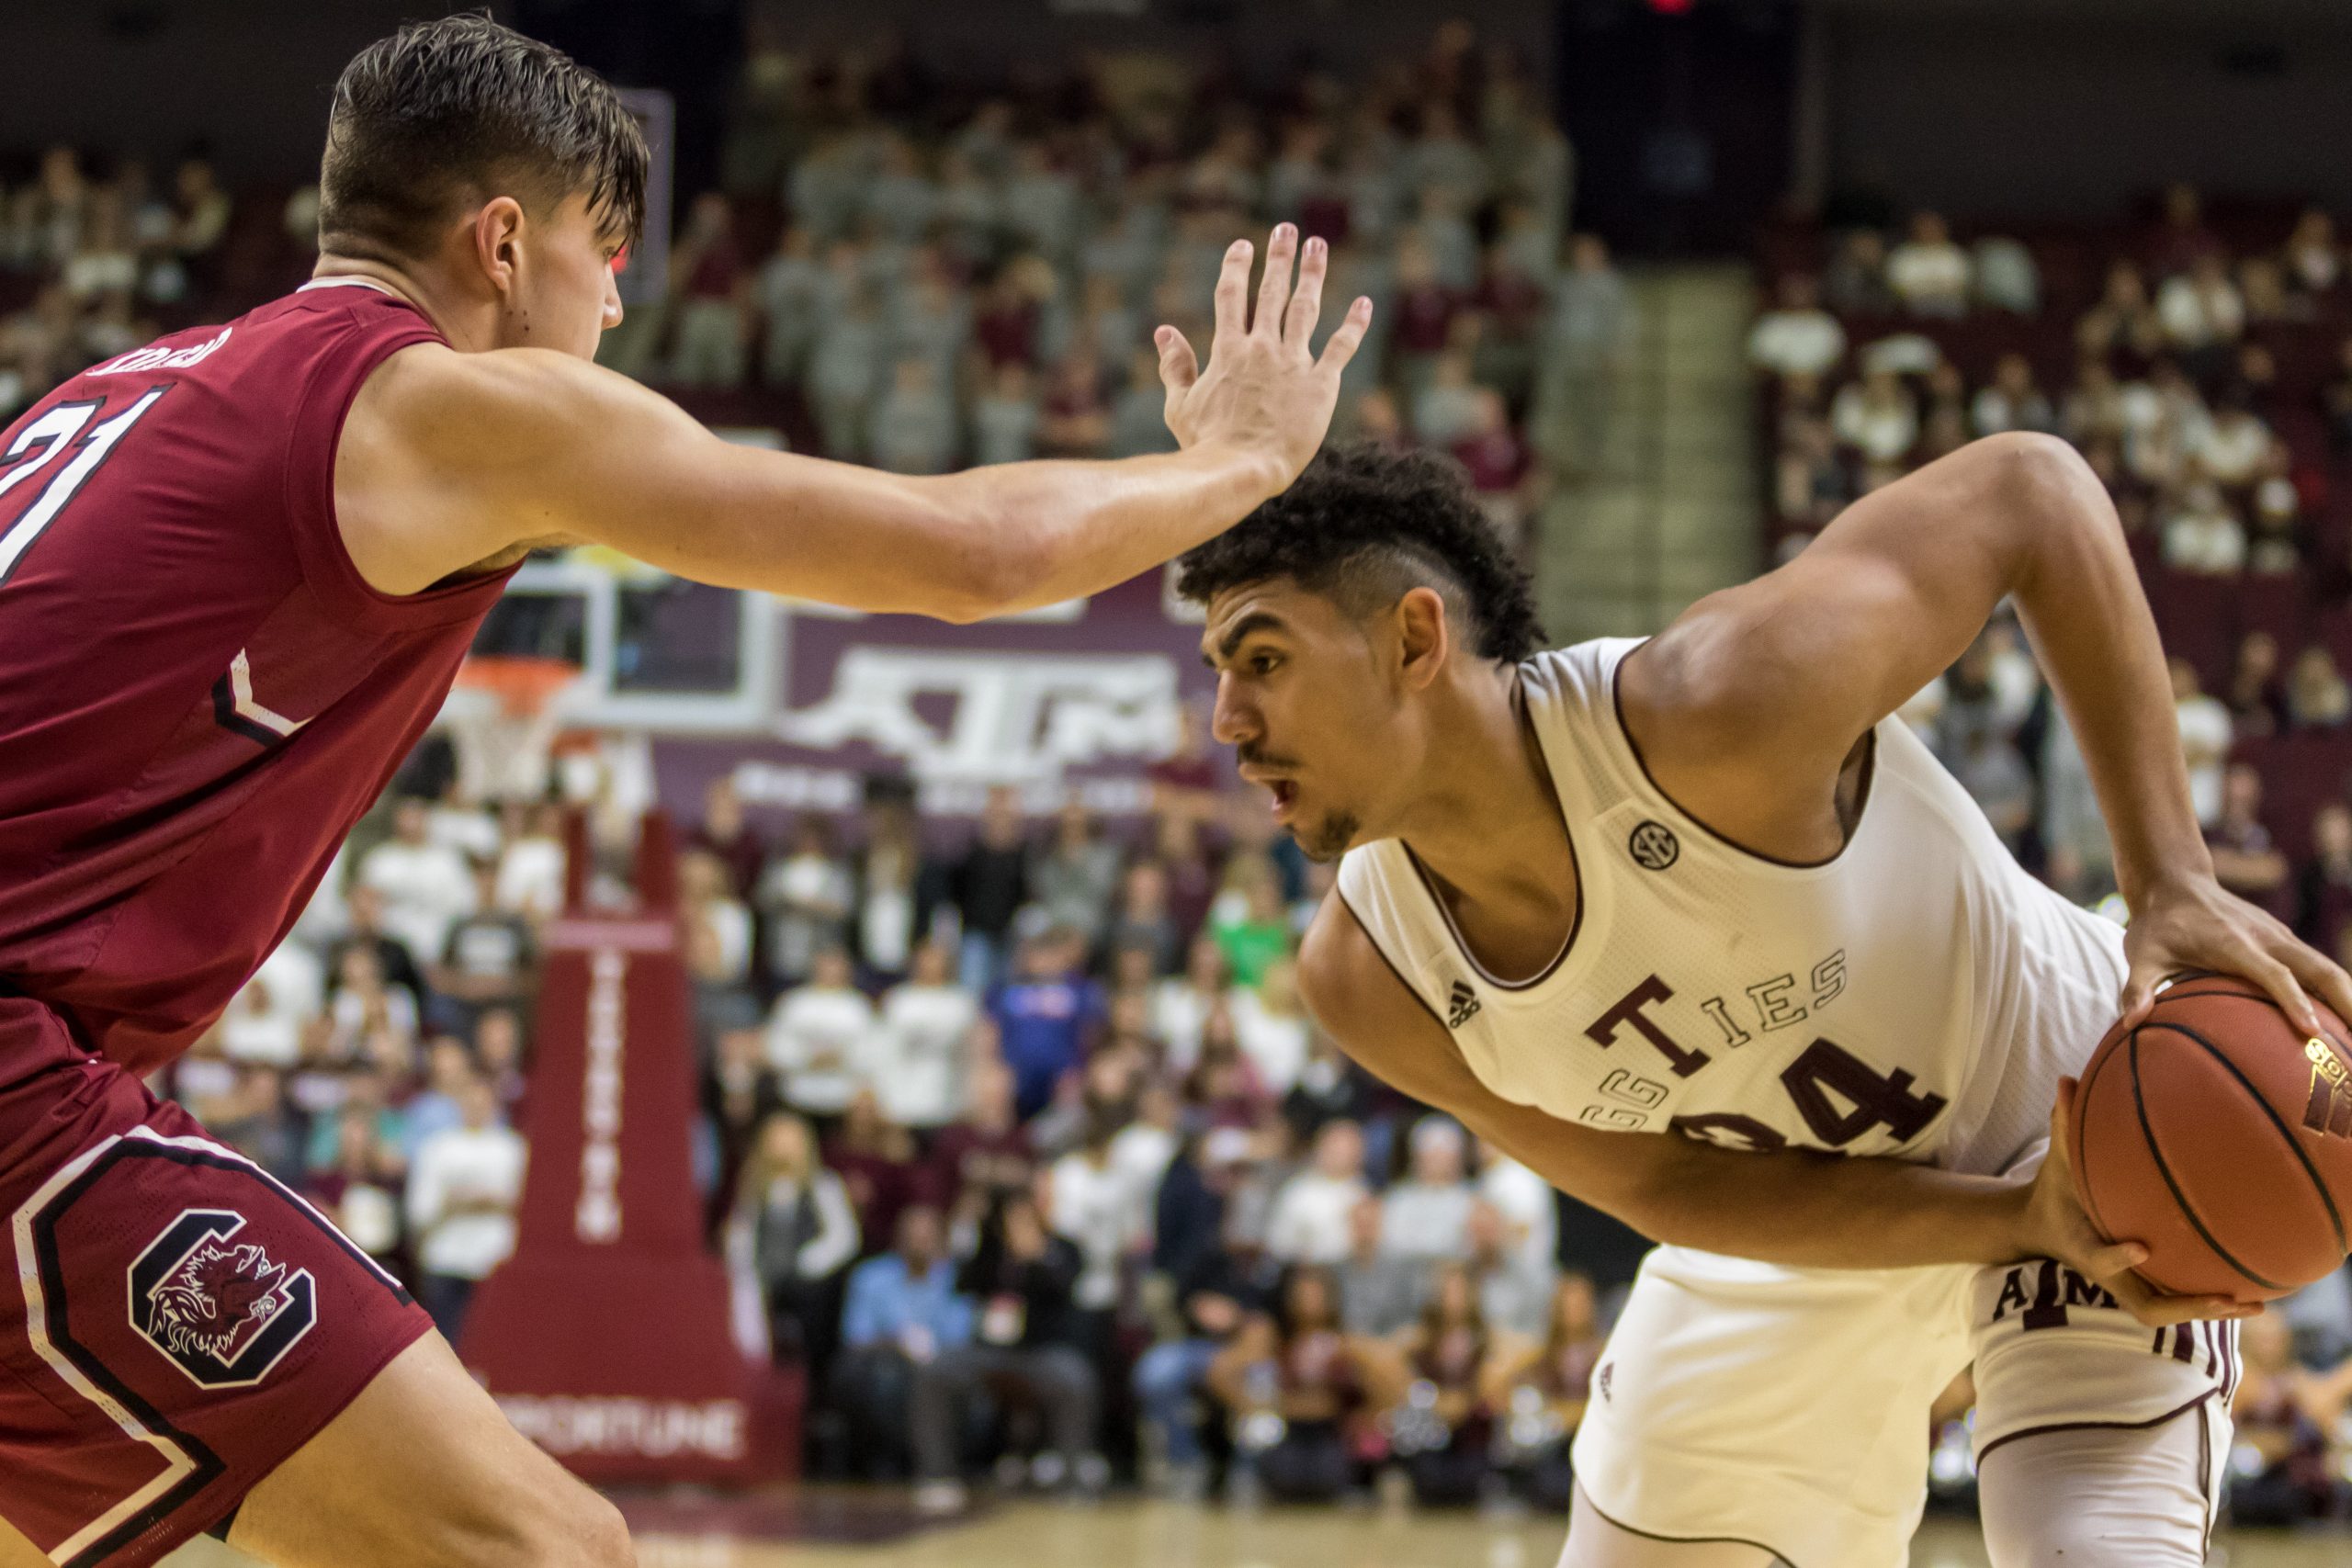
(1463,1005)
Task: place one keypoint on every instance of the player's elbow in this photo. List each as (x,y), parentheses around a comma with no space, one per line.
(988,564)
(2041,478)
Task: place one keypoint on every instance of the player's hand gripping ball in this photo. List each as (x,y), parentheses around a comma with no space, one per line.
(2220,1136)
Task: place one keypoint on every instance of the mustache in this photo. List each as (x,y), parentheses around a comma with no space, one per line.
(1250,755)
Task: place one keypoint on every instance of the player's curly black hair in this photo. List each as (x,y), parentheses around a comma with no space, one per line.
(1365,525)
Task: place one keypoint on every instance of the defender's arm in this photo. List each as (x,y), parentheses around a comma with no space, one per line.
(1797,1208)
(449,460)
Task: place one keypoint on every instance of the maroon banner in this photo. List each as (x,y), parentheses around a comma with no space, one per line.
(1083,696)
(606,1338)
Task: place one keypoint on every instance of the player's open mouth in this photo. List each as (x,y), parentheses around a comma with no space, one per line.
(1286,794)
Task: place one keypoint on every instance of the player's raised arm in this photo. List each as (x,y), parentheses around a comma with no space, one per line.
(1748,703)
(1794,1207)
(452,458)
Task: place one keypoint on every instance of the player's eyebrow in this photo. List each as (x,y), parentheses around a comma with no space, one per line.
(1255,621)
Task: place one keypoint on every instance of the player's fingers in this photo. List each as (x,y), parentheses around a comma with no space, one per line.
(2321,975)
(1179,367)
(2139,994)
(2062,1117)
(1273,288)
(1306,299)
(2284,988)
(1349,337)
(2116,1261)
(1233,292)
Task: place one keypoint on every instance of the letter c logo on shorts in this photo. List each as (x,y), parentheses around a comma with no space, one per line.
(225,1313)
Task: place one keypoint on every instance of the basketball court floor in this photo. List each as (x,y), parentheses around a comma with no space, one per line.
(823,1528)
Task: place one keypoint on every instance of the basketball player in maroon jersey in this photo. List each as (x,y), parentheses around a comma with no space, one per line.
(238,571)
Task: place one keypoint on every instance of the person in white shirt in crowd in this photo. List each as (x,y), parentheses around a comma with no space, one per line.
(825,1041)
(2202,535)
(267,1022)
(1271,1025)
(705,900)
(1427,1215)
(463,826)
(1529,1207)
(530,868)
(2310,258)
(1182,1004)
(1876,416)
(929,1020)
(1799,338)
(1929,274)
(1513,1288)
(2234,445)
(1309,1223)
(2205,734)
(1097,1205)
(2012,400)
(464,1183)
(805,897)
(1145,1148)
(426,886)
(2200,309)
(489,960)
(2006,275)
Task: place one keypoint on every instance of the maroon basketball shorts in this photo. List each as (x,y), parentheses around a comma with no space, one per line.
(177,1322)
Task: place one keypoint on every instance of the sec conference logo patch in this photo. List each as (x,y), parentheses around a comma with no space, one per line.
(224,1313)
(1654,847)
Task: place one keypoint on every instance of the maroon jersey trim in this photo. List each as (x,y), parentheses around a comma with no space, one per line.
(326,561)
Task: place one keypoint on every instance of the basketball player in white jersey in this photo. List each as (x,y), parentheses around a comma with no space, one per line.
(1701,933)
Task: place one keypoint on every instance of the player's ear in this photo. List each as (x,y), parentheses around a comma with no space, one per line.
(1423,637)
(498,232)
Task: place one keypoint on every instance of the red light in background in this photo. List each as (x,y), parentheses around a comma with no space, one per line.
(1671,8)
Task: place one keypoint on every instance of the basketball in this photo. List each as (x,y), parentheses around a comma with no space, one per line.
(2220,1136)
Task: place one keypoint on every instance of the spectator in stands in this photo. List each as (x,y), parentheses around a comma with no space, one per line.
(2233,445)
(2202,535)
(1545,1390)
(1073,874)
(2317,697)
(530,868)
(2274,539)
(1878,419)
(464,1184)
(2007,276)
(1045,1015)
(2092,411)
(1503,475)
(2245,859)
(2205,735)
(825,1043)
(929,1020)
(1587,344)
(1249,922)
(358,1184)
(2309,260)
(790,293)
(846,366)
(2257,696)
(1316,1383)
(988,1156)
(1024,1348)
(710,288)
(1180,1005)
(1005,418)
(1379,1290)
(2012,400)
(902,1312)
(1218,1290)
(726,833)
(740,1092)
(1810,486)
(2325,902)
(2181,238)
(1443,1427)
(1513,1284)
(793,1231)
(1313,1209)
(2202,313)
(362,1006)
(875,1159)
(1143,922)
(2124,320)
(1800,337)
(989,885)
(1271,1026)
(1927,273)
(1427,1214)
(426,886)
(805,895)
(1855,282)
(913,428)
(489,960)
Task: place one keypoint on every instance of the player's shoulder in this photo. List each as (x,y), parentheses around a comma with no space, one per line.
(1343,978)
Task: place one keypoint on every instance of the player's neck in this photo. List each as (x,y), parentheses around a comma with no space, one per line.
(1489,826)
(416,286)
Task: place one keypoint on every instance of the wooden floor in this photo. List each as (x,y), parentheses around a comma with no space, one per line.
(1154,1535)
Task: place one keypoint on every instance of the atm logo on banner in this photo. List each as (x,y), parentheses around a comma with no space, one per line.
(2328,1112)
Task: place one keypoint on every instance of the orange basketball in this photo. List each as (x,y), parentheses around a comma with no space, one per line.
(2220,1136)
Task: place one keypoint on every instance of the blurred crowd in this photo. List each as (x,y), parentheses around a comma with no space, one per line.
(922,275)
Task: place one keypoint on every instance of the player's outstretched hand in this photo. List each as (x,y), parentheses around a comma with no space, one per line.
(2057,1228)
(1264,388)
(2197,924)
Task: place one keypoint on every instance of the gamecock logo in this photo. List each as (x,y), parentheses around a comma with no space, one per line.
(222,1311)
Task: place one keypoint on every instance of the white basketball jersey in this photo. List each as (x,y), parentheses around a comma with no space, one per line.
(1918,996)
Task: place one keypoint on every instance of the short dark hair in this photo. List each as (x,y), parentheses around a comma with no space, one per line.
(462,108)
(1365,525)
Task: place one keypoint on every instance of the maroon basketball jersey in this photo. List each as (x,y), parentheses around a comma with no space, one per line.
(198,692)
